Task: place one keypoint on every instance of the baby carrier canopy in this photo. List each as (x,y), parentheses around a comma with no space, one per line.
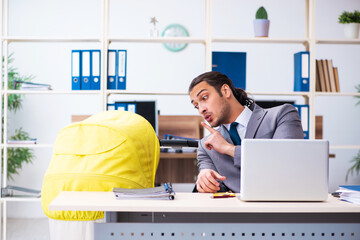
(110,149)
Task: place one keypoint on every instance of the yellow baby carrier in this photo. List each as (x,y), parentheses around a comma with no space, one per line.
(110,149)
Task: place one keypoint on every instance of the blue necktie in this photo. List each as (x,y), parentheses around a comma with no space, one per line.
(234,134)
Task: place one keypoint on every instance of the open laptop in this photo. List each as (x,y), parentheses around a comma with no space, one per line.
(284,170)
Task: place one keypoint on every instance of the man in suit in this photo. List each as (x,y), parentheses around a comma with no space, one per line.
(237,117)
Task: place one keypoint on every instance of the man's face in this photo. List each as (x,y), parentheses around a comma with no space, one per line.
(214,108)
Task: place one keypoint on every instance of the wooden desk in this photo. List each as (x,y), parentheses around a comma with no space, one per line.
(198,216)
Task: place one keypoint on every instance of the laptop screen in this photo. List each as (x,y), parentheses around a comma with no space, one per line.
(284,170)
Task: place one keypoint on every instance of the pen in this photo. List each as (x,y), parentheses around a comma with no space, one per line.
(224,195)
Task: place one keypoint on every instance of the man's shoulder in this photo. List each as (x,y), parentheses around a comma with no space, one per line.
(282,108)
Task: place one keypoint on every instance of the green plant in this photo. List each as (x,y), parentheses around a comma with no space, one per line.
(356,166)
(349,17)
(358,90)
(16,156)
(356,16)
(261,13)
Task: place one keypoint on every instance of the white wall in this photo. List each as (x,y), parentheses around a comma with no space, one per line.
(152,68)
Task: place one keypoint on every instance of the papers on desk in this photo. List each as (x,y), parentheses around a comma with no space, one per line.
(350,193)
(164,192)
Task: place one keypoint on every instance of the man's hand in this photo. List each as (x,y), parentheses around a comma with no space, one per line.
(207,183)
(217,142)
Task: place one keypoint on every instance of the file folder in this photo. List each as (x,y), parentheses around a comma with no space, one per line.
(233,65)
(303,110)
(111,78)
(121,106)
(85,69)
(75,70)
(301,71)
(110,106)
(95,70)
(121,69)
(131,107)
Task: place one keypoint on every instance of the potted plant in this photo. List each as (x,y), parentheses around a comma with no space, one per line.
(261,23)
(356,160)
(16,156)
(351,21)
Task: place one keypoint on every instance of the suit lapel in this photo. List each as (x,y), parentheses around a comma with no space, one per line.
(220,158)
(224,132)
(256,117)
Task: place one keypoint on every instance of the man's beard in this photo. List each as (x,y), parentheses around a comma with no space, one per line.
(224,114)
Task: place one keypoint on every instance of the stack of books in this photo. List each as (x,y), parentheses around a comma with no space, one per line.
(349,193)
(327,76)
(164,192)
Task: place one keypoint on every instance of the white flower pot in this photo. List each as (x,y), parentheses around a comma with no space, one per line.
(261,27)
(351,30)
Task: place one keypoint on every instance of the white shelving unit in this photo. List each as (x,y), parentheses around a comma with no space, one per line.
(309,41)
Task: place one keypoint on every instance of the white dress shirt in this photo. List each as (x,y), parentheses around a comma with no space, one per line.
(243,120)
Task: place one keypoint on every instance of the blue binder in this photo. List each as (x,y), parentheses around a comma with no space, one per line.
(85,69)
(301,71)
(112,73)
(75,70)
(303,110)
(120,106)
(233,65)
(121,69)
(131,107)
(110,106)
(95,69)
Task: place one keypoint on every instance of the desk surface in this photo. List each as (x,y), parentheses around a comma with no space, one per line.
(192,202)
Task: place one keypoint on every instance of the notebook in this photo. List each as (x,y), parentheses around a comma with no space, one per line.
(165,191)
(284,170)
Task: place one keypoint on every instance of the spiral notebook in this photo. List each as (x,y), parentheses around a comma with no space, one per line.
(163,192)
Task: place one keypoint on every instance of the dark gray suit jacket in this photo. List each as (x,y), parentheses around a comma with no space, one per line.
(278,122)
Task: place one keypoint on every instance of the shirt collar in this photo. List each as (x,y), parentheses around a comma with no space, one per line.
(242,119)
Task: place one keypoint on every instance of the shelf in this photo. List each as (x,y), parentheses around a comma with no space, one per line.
(191,155)
(344,94)
(157,39)
(185,93)
(27,145)
(52,92)
(145,92)
(20,199)
(338,41)
(50,39)
(344,147)
(306,94)
(179,39)
(263,40)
